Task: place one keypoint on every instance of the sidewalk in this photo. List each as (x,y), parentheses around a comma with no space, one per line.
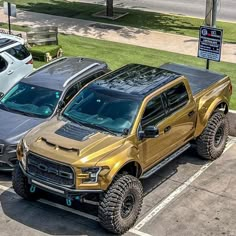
(145,38)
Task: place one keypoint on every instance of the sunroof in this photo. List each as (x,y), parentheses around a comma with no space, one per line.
(5,42)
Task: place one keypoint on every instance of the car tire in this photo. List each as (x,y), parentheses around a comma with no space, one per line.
(211,143)
(120,205)
(21,185)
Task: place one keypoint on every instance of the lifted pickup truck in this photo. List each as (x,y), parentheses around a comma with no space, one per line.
(120,128)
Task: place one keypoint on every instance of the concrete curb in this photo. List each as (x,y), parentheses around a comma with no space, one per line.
(232,122)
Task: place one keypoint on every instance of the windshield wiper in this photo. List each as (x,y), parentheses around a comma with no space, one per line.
(5,107)
(26,113)
(17,111)
(102,128)
(89,125)
(73,120)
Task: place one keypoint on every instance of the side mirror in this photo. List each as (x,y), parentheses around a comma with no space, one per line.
(148,132)
(1,95)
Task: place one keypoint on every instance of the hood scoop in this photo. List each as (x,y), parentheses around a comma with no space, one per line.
(57,147)
(75,132)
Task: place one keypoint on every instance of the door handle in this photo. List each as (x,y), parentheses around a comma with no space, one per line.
(167,129)
(191,113)
(10,72)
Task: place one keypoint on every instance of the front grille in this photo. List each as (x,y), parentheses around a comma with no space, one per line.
(51,171)
(1,148)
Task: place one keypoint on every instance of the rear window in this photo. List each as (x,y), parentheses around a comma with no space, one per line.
(19,52)
(177,97)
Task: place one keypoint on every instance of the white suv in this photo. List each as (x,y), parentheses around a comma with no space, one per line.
(15,61)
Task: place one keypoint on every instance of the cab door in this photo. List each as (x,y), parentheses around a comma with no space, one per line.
(175,127)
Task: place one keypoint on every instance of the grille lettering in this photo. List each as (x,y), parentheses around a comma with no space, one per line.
(50,170)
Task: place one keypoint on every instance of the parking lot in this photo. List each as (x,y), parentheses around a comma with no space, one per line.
(189,196)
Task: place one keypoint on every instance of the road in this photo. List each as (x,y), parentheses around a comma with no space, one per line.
(189,196)
(194,8)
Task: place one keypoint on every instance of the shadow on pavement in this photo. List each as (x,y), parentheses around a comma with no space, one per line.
(171,169)
(135,18)
(5,176)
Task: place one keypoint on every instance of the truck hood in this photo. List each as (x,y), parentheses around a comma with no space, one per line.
(71,143)
(14,126)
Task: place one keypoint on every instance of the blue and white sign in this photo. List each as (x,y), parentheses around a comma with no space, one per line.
(210,43)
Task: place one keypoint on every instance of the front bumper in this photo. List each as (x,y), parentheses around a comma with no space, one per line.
(8,161)
(55,189)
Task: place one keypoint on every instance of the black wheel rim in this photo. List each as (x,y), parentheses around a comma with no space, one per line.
(127,205)
(219,136)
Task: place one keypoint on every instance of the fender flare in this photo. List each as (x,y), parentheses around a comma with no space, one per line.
(202,121)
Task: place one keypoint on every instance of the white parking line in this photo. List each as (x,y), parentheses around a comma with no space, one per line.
(71,210)
(174,194)
(137,232)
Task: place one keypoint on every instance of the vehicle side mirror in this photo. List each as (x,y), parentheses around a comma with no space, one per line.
(1,95)
(148,132)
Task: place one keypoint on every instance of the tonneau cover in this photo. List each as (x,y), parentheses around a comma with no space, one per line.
(199,79)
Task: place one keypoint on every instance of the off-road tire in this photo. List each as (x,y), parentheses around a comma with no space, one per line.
(111,211)
(21,186)
(211,143)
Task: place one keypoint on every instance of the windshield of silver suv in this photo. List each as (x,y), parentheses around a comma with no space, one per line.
(31,100)
(103,109)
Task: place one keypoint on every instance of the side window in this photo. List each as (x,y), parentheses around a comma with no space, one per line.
(92,77)
(154,112)
(3,64)
(71,92)
(19,52)
(177,97)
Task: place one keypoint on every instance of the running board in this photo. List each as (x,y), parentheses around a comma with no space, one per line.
(165,161)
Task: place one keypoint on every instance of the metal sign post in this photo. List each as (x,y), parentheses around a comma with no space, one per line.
(9,10)
(210,18)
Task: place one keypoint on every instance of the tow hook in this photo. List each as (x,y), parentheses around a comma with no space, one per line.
(68,202)
(32,189)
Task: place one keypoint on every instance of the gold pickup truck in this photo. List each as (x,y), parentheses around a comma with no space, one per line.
(120,128)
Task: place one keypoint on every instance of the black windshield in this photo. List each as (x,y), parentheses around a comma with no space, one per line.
(31,100)
(103,108)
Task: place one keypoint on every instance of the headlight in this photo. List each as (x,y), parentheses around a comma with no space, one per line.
(25,148)
(92,174)
(22,151)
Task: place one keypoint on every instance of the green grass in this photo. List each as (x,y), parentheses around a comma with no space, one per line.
(145,20)
(39,52)
(117,55)
(14,27)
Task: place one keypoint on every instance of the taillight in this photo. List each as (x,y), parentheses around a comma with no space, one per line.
(30,62)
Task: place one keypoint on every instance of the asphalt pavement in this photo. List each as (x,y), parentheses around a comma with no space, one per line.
(189,196)
(226,8)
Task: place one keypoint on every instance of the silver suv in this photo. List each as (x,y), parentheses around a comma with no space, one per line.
(15,61)
(38,98)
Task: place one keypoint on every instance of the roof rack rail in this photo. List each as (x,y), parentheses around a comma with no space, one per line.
(80,72)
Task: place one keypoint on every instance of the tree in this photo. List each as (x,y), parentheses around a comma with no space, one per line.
(109,11)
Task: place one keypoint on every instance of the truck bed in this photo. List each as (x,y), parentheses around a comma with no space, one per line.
(199,79)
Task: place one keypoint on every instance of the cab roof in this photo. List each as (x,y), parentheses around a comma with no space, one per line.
(136,79)
(60,73)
